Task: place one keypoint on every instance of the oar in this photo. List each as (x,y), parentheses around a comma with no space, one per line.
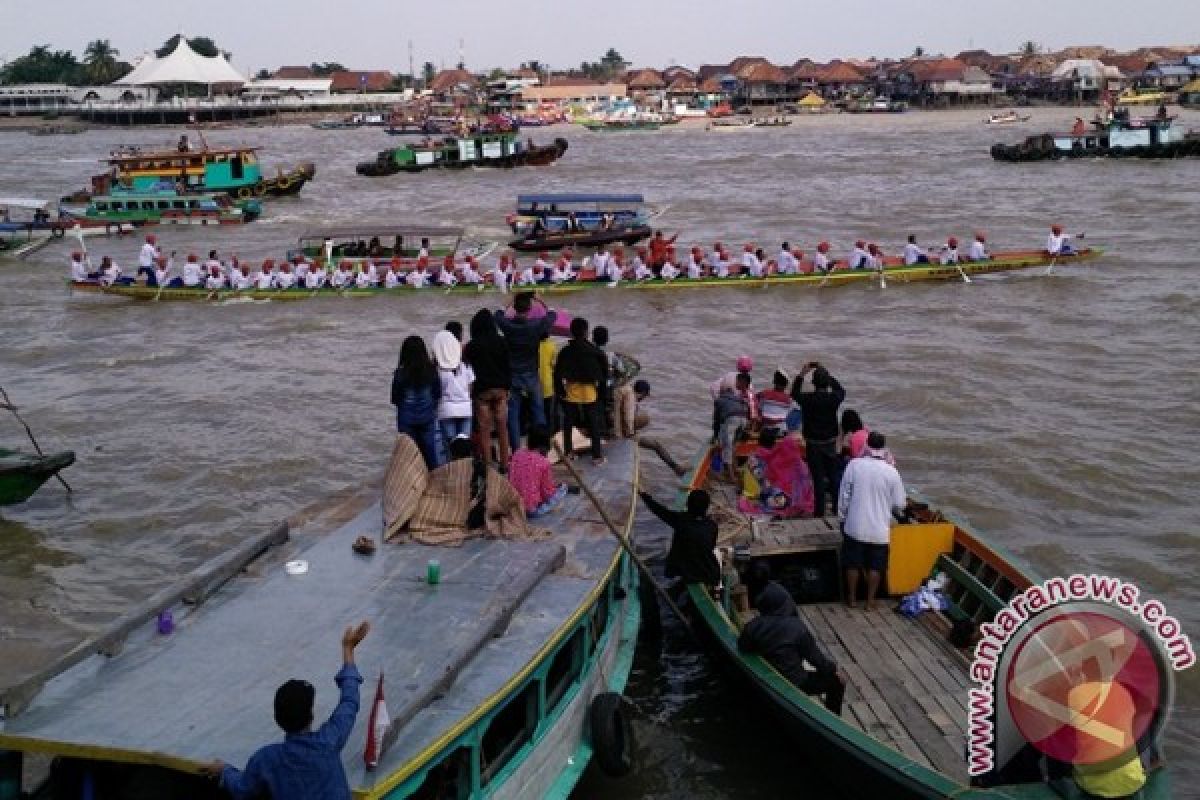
(8,404)
(965,278)
(612,528)
(1055,257)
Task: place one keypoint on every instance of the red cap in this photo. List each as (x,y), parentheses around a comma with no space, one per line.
(448,261)
(749,248)
(860,243)
(717,246)
(980,236)
(214,270)
(544,254)
(345,264)
(77,255)
(161,260)
(192,258)
(1056,228)
(286,267)
(952,242)
(823,247)
(745,363)
(270,262)
(423,261)
(396,261)
(151,238)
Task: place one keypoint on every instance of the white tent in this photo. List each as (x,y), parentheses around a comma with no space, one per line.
(183,65)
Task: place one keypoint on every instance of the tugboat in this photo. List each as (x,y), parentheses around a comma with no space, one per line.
(233,170)
(1120,136)
(457,152)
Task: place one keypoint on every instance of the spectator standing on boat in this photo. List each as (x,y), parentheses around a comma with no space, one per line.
(530,474)
(307,763)
(611,368)
(146,258)
(487,355)
(731,416)
(786,260)
(819,409)
(913,254)
(416,394)
(775,403)
(978,250)
(658,249)
(871,493)
(454,407)
(547,354)
(579,375)
(693,537)
(1059,243)
(780,636)
(524,335)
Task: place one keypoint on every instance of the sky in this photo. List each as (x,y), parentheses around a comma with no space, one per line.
(375,34)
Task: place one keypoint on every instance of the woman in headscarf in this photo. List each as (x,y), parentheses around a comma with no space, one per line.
(454,409)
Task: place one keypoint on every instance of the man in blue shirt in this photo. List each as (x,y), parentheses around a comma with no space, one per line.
(307,763)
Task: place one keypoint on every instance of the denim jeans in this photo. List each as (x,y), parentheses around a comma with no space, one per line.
(427,437)
(452,427)
(526,388)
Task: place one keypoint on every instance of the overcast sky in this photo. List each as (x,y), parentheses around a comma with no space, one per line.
(374,34)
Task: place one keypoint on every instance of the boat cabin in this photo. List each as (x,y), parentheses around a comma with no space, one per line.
(578,212)
(457,150)
(222,168)
(1122,132)
(378,240)
(21,214)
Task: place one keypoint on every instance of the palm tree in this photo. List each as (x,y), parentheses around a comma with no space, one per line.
(100,58)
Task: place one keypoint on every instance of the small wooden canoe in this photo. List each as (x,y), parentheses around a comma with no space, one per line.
(903,730)
(895,275)
(22,474)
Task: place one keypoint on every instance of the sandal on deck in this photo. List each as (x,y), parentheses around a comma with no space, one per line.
(364,546)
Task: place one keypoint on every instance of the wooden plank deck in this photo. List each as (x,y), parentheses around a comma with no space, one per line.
(206,690)
(904,688)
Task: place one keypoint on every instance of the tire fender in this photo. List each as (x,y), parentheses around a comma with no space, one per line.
(612,735)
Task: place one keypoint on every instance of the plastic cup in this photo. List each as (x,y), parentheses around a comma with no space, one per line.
(166,622)
(433,572)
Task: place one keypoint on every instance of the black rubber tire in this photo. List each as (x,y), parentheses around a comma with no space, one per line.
(57,231)
(612,735)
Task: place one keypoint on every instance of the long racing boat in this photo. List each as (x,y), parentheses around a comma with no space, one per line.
(840,276)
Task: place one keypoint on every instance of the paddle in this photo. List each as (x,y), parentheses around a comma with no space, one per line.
(965,278)
(625,545)
(6,403)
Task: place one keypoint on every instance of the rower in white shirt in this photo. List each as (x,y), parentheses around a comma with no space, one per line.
(162,271)
(79,270)
(213,262)
(978,249)
(541,268)
(874,257)
(391,277)
(913,254)
(821,258)
(240,280)
(601,263)
(363,279)
(752,265)
(418,276)
(342,277)
(949,252)
(859,258)
(718,261)
(445,276)
(470,272)
(641,272)
(524,275)
(315,279)
(265,277)
(617,269)
(786,260)
(215,279)
(193,273)
(285,278)
(695,263)
(148,255)
(300,268)
(668,271)
(110,273)
(1059,243)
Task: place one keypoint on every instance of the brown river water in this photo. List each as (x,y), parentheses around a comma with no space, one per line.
(1059,414)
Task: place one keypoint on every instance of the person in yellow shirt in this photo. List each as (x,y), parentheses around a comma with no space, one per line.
(547,355)
(1107,764)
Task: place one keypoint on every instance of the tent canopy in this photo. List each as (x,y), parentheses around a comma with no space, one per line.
(812,100)
(183,65)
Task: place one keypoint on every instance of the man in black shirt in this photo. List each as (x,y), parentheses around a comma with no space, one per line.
(820,428)
(781,637)
(579,374)
(694,535)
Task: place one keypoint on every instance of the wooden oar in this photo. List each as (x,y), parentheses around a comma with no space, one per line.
(612,528)
(965,278)
(8,405)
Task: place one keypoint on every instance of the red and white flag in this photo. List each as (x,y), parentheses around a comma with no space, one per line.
(377,727)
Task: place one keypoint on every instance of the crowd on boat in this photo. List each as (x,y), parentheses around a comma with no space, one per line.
(658,260)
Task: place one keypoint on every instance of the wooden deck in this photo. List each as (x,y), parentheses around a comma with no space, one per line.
(206,690)
(903,688)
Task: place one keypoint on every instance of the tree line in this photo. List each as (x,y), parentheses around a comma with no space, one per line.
(99,65)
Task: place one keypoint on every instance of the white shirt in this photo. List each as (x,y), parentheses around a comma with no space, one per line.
(669,271)
(214,281)
(162,275)
(694,270)
(418,278)
(754,267)
(240,280)
(874,261)
(446,278)
(821,262)
(148,256)
(392,279)
(640,271)
(525,276)
(315,279)
(264,279)
(285,280)
(212,262)
(720,267)
(470,275)
(340,278)
(788,265)
(301,272)
(602,261)
(978,251)
(1055,242)
(456,392)
(859,258)
(78,270)
(912,253)
(110,274)
(363,280)
(950,255)
(870,489)
(500,278)
(192,274)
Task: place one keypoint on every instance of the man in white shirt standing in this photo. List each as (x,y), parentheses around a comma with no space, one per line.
(146,258)
(871,493)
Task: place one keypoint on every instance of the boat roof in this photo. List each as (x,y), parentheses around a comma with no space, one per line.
(149,155)
(566,199)
(446,652)
(23,202)
(381,229)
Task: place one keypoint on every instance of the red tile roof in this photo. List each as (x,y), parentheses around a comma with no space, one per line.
(840,72)
(762,73)
(449,79)
(351,80)
(741,62)
(570,80)
(937,70)
(293,74)
(645,79)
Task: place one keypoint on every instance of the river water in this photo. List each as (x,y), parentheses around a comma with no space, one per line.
(1059,414)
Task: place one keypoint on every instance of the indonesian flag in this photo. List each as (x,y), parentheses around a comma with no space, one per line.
(377,727)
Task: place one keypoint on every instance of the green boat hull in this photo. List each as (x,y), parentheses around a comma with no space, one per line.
(22,474)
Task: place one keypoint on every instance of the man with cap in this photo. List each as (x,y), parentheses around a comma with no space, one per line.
(79,270)
(307,763)
(695,263)
(718,262)
(193,273)
(641,270)
(949,252)
(913,253)
(859,257)
(752,265)
(601,263)
(871,495)
(146,258)
(786,260)
(978,249)
(821,259)
(1059,243)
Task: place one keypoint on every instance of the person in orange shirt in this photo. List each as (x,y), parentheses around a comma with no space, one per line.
(658,250)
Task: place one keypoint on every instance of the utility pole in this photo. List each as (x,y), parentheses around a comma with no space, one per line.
(412,76)
(462,53)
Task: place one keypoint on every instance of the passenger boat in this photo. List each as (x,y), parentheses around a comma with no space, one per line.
(479,150)
(1141,97)
(772,122)
(28,224)
(168,207)
(22,474)
(621,124)
(502,679)
(1121,137)
(382,241)
(234,170)
(902,733)
(840,276)
(1007,118)
(553,221)
(878,105)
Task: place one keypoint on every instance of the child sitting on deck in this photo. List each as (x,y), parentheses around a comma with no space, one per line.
(530,474)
